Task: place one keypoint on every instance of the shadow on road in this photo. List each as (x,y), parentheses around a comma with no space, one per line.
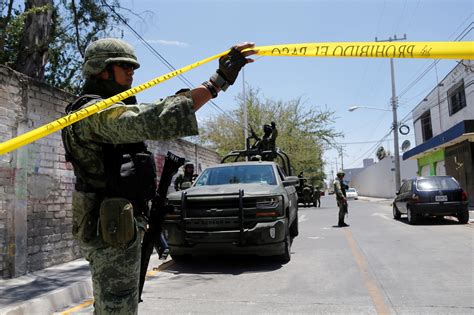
(227,264)
(432,221)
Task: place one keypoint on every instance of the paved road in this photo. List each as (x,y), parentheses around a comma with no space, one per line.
(375,266)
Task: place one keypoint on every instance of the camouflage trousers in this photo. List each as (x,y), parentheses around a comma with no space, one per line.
(115,275)
(342,210)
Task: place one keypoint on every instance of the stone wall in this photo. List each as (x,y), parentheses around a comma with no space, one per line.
(36,182)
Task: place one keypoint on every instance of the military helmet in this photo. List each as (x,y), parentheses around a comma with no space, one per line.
(340,172)
(104,51)
(187,164)
(267,128)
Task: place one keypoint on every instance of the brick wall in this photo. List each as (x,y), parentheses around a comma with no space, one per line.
(36,183)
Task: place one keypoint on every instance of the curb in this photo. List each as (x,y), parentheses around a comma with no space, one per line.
(51,302)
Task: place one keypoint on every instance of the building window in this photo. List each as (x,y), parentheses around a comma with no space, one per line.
(426,129)
(456,98)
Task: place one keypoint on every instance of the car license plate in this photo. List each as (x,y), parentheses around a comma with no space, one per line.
(441,198)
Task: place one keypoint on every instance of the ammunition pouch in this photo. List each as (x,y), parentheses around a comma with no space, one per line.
(117,224)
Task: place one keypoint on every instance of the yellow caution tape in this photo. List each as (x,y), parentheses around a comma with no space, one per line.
(67,120)
(433,50)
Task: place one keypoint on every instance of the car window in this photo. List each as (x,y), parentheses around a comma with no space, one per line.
(280,172)
(435,183)
(404,187)
(409,186)
(351,190)
(246,174)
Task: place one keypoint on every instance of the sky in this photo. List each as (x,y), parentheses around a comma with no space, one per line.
(184,32)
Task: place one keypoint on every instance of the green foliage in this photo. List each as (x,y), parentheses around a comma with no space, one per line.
(75,24)
(11,27)
(303,130)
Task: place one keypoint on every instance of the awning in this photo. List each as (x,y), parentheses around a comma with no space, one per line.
(458,133)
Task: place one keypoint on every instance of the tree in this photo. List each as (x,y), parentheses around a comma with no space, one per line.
(302,131)
(36,36)
(47,38)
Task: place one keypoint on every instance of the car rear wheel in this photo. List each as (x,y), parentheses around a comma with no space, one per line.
(411,216)
(463,217)
(396,214)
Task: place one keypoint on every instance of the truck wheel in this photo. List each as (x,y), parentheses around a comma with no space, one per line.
(411,216)
(286,256)
(463,217)
(294,231)
(396,214)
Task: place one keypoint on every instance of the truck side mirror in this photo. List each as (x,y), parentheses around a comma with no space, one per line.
(291,181)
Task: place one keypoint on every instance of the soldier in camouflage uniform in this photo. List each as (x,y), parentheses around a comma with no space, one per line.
(317,197)
(340,191)
(188,177)
(115,174)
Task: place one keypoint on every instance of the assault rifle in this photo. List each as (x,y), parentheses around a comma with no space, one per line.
(154,237)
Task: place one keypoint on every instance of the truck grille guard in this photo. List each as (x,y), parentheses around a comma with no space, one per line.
(184,201)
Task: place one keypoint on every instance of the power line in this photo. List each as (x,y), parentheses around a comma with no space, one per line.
(160,57)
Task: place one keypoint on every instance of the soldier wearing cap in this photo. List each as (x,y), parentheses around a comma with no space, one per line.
(115,173)
(340,191)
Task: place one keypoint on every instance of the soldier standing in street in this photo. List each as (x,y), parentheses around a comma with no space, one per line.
(115,174)
(187,178)
(340,191)
(317,197)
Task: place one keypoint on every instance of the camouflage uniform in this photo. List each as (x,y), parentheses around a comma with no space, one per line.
(317,197)
(340,191)
(181,179)
(115,269)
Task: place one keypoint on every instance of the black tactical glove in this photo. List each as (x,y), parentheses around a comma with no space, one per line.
(229,67)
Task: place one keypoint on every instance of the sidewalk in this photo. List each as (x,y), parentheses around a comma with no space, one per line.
(47,290)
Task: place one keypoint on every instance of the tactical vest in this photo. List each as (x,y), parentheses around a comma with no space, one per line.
(130,170)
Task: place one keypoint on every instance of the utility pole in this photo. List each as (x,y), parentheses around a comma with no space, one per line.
(341,152)
(246,123)
(394,101)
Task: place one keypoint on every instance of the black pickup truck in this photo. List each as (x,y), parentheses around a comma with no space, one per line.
(235,208)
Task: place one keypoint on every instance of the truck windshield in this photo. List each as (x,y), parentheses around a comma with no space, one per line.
(241,174)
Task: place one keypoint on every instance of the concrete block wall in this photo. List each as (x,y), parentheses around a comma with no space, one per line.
(36,182)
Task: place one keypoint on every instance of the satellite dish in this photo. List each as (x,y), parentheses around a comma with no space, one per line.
(406,145)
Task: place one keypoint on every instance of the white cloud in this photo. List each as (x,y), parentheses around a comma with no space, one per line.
(167,42)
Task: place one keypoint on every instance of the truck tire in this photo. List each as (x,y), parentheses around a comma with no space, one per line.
(285,257)
(294,230)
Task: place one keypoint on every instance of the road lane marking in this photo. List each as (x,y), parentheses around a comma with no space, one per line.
(78,307)
(302,218)
(371,283)
(381,215)
(89,302)
(314,237)
(161,267)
